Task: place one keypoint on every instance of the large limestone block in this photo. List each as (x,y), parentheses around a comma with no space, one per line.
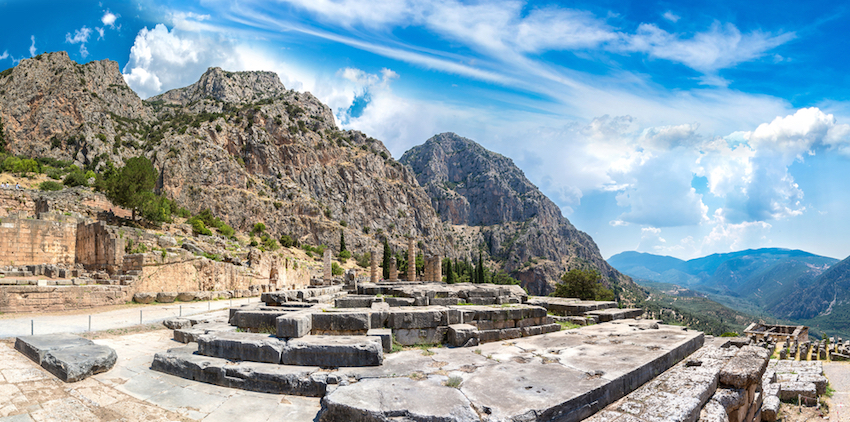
(143,297)
(790,390)
(296,324)
(241,346)
(378,400)
(770,408)
(177,323)
(462,335)
(186,296)
(385,335)
(417,318)
(410,337)
(166,297)
(745,368)
(68,357)
(333,351)
(341,322)
(713,412)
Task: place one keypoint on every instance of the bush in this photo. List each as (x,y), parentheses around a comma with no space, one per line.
(226,230)
(259,228)
(584,285)
(287,241)
(277,205)
(344,255)
(183,212)
(269,244)
(49,186)
(198,227)
(364,260)
(76,178)
(336,269)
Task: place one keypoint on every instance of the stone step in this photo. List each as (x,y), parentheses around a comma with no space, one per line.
(252,376)
(70,358)
(612,314)
(324,351)
(191,334)
(569,306)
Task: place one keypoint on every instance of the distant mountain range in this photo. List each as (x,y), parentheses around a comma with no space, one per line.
(782,283)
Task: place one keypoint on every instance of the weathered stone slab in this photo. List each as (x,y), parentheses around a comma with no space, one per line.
(241,346)
(411,337)
(612,314)
(258,321)
(415,318)
(385,335)
(166,297)
(191,334)
(144,298)
(333,351)
(177,323)
(356,301)
(790,390)
(401,399)
(770,408)
(68,357)
(399,301)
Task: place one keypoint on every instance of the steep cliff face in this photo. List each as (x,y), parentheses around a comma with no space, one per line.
(238,143)
(493,208)
(54,107)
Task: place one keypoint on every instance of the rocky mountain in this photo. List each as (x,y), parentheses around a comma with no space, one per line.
(825,304)
(773,281)
(238,143)
(493,209)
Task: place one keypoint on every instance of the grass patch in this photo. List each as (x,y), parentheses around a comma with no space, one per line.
(453,382)
(567,325)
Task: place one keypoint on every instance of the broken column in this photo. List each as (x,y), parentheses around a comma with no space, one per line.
(326,279)
(393,270)
(411,260)
(428,276)
(438,268)
(373,268)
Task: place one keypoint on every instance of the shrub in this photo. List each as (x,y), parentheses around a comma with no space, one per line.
(287,241)
(344,255)
(259,228)
(363,260)
(76,178)
(226,230)
(277,205)
(183,212)
(50,186)
(336,269)
(198,227)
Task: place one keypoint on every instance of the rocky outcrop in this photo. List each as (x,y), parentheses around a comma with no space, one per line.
(238,143)
(493,207)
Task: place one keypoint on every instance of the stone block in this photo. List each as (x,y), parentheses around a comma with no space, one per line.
(333,351)
(790,390)
(385,335)
(410,337)
(461,335)
(770,408)
(177,323)
(417,318)
(186,296)
(143,297)
(745,368)
(444,301)
(400,301)
(166,297)
(68,357)
(293,325)
(241,346)
(340,322)
(258,321)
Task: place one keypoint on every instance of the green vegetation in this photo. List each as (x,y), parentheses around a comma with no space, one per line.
(49,186)
(342,241)
(454,382)
(462,271)
(132,186)
(2,129)
(729,334)
(567,325)
(387,258)
(336,269)
(584,285)
(204,219)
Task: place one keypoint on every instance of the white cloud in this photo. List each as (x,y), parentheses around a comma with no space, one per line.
(109,19)
(32,46)
(651,240)
(100,32)
(792,136)
(80,36)
(670,16)
(722,46)
(4,55)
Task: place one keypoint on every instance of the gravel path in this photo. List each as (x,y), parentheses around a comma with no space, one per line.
(839,378)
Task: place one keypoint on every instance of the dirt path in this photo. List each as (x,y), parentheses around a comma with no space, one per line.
(838,374)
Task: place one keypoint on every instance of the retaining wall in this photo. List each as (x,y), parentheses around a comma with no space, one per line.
(59,298)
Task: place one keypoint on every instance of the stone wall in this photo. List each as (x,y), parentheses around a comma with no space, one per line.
(13,202)
(29,242)
(99,246)
(59,298)
(187,273)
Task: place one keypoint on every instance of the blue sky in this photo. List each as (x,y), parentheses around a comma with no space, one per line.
(679,129)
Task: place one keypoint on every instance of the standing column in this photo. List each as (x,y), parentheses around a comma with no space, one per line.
(438,268)
(326,279)
(373,270)
(426,276)
(393,270)
(411,260)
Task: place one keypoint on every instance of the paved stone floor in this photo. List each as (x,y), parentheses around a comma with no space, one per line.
(12,325)
(131,391)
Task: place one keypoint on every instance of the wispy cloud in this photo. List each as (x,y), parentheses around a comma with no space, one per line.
(670,16)
(32,46)
(109,19)
(81,37)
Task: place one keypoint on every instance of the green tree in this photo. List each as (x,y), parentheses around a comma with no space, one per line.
(341,241)
(479,272)
(132,185)
(584,285)
(388,254)
(2,137)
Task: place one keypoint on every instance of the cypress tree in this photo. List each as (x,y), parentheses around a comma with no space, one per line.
(387,257)
(480,269)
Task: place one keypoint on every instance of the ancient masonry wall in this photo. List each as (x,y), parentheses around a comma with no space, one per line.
(13,202)
(59,298)
(178,274)
(28,242)
(98,246)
